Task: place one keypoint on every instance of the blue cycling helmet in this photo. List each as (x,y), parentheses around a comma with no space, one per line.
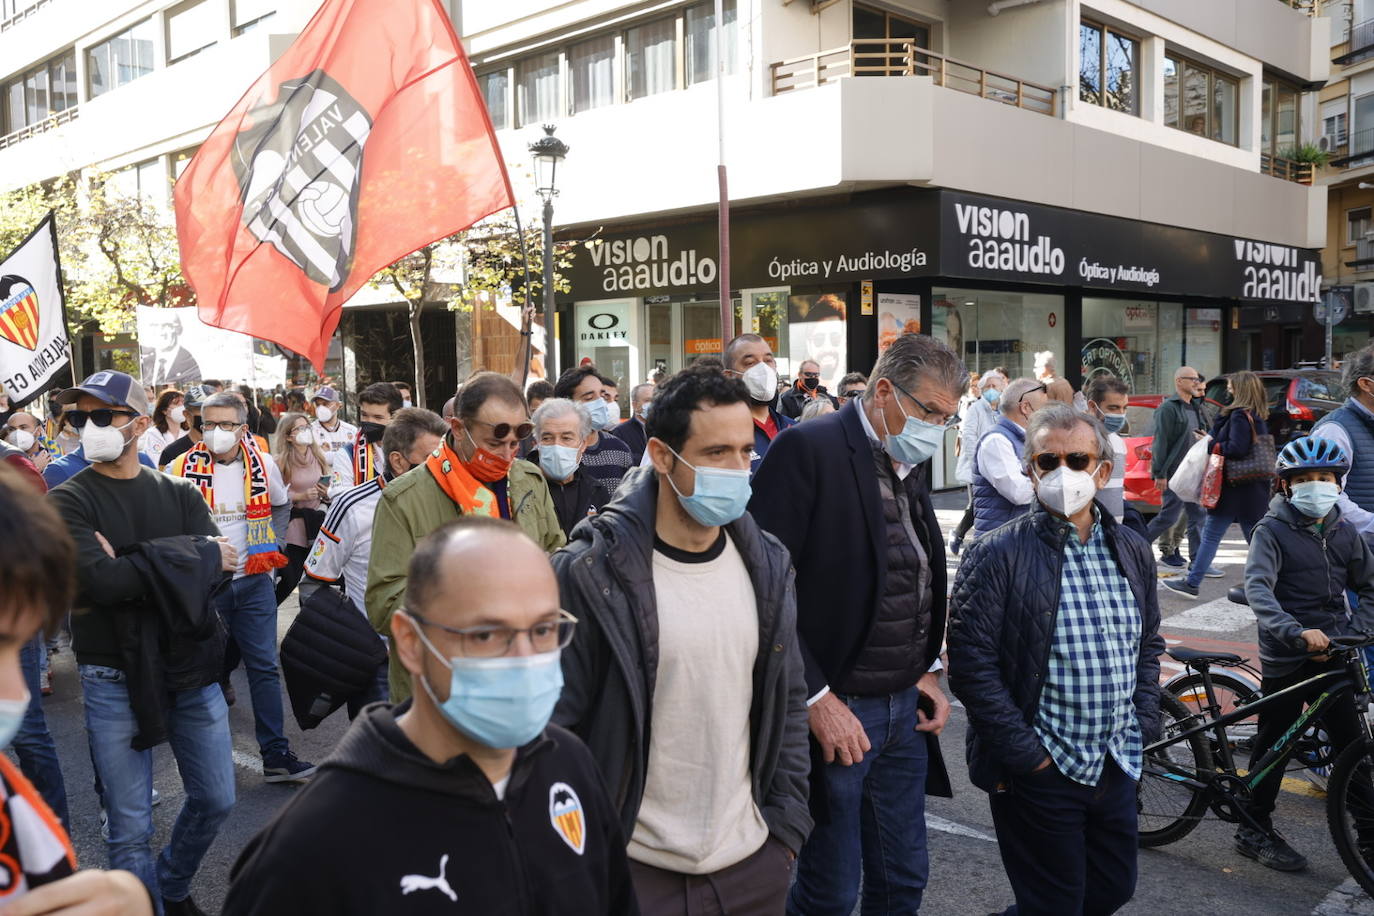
(1312,454)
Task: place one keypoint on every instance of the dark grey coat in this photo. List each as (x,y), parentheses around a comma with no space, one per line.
(605,577)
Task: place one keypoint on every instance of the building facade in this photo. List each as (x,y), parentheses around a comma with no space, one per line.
(1105,180)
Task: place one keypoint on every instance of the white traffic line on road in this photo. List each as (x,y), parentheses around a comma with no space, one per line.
(1346,900)
(1220,616)
(251,762)
(935,822)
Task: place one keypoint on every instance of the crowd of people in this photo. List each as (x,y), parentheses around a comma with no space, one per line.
(605,665)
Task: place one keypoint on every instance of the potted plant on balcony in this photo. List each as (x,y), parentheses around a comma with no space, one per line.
(1307,154)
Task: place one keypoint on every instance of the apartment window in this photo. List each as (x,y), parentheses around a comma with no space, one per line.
(1334,129)
(146,180)
(700,37)
(651,58)
(1201,100)
(40,93)
(591,67)
(182,159)
(539,93)
(120,60)
(872,23)
(191,28)
(245,15)
(1279,117)
(1108,68)
(495,87)
(1356,224)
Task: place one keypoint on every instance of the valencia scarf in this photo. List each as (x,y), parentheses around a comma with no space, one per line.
(198,466)
(47,443)
(34,849)
(364,461)
(466,491)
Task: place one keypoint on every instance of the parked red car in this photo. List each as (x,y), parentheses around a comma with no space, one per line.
(1139,436)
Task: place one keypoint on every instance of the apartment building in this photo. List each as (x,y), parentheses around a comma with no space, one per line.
(1105,180)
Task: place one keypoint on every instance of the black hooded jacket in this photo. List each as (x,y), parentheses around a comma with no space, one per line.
(383,829)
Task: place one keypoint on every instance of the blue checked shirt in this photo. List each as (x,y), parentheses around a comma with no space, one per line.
(1086,711)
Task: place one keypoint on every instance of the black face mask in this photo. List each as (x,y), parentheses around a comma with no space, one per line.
(811,384)
(372,432)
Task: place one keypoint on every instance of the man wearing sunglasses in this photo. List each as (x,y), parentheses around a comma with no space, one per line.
(687,657)
(466,800)
(848,494)
(1054,651)
(808,387)
(473,472)
(1000,488)
(1180,421)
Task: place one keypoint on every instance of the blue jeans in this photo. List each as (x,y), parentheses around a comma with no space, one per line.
(877,820)
(198,730)
(249,611)
(33,745)
(1212,533)
(1170,509)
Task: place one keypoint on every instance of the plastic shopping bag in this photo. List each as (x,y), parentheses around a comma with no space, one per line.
(1186,482)
(1212,480)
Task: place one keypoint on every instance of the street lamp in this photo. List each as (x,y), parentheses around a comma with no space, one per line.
(548,151)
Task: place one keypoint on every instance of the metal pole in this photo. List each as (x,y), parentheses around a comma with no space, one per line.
(727,311)
(550,340)
(1330,308)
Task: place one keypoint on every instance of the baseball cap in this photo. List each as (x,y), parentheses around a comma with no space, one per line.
(325,394)
(117,389)
(195,396)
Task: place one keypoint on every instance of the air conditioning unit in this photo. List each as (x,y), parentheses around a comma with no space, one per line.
(1364,298)
(1326,143)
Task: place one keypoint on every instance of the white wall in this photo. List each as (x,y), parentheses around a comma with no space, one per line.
(1027,42)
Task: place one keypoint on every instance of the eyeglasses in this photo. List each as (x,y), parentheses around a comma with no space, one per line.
(503,430)
(494,642)
(855,393)
(811,375)
(101,417)
(1077,461)
(1195,379)
(949,420)
(227,425)
(1040,388)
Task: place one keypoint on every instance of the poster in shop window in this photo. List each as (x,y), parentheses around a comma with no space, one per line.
(898,314)
(816,329)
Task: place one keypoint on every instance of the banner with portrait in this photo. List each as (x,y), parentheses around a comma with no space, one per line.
(176,348)
(816,332)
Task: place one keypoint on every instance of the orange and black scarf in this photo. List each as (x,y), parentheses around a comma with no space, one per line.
(34,849)
(198,466)
(468,493)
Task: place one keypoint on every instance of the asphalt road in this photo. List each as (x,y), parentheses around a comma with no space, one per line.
(1200,874)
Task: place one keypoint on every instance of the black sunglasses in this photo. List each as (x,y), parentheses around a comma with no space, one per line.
(101,417)
(503,430)
(1041,388)
(1077,461)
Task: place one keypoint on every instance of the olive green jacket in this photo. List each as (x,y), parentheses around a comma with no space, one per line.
(412,506)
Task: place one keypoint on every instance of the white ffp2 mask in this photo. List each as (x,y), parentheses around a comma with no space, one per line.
(1065,491)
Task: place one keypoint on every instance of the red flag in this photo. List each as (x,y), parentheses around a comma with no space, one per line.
(367,140)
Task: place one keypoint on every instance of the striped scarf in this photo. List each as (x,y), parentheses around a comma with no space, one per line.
(466,491)
(52,447)
(198,466)
(364,462)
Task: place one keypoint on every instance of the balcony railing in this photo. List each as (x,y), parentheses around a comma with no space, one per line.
(1359,41)
(24,133)
(895,57)
(1360,149)
(1287,169)
(12,13)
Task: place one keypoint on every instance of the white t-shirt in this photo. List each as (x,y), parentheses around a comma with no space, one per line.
(340,439)
(154,441)
(344,544)
(341,469)
(230,510)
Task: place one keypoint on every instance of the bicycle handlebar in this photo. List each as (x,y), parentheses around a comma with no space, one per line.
(1344,644)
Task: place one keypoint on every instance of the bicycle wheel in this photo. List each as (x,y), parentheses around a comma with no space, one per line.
(1232,692)
(1350,811)
(1168,807)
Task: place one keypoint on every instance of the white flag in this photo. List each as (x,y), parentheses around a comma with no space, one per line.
(33,328)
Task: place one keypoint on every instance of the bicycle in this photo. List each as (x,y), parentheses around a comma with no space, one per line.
(1181,778)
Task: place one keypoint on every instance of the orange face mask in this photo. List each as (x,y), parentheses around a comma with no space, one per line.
(486,466)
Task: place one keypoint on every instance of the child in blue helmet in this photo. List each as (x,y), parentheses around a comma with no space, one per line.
(1303,557)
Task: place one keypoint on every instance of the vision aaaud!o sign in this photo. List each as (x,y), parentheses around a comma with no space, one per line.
(647,263)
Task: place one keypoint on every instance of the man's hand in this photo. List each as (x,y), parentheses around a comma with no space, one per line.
(841,736)
(1317,641)
(104,545)
(91,892)
(228,555)
(929,685)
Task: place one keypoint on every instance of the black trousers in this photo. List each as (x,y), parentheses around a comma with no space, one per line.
(1339,721)
(1068,849)
(966,522)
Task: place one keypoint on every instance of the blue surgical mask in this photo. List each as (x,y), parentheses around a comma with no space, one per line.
(11,717)
(599,411)
(719,495)
(1314,498)
(500,702)
(992,395)
(1114,421)
(917,441)
(644,410)
(558,461)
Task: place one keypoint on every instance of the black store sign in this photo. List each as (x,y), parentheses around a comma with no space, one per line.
(885,235)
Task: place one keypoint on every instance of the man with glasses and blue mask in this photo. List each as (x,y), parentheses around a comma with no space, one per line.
(499,810)
(685,679)
(1054,651)
(606,458)
(561,429)
(1001,490)
(848,494)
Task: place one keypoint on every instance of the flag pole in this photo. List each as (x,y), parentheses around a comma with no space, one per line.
(526,310)
(727,311)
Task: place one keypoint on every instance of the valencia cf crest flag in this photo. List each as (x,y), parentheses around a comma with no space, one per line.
(34,345)
(367,140)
